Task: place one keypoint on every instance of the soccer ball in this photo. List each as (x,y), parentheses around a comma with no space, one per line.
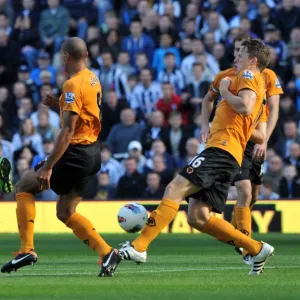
(132,217)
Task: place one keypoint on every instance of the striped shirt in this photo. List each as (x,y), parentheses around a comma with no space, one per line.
(113,78)
(144,99)
(176,78)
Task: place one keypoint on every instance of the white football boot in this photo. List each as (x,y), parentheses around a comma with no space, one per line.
(258,261)
(127,252)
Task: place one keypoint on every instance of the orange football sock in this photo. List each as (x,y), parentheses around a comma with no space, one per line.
(85,231)
(25,218)
(157,221)
(225,232)
(233,220)
(243,220)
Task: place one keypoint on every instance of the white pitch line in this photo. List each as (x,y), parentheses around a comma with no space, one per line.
(130,271)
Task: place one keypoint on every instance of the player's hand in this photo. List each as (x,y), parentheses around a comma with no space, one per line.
(205,130)
(43,178)
(50,100)
(259,152)
(224,84)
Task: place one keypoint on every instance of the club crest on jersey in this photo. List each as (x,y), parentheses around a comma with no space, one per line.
(278,85)
(70,97)
(248,74)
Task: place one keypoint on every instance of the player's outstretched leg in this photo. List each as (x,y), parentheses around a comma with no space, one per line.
(26,188)
(5,169)
(199,218)
(85,231)
(175,192)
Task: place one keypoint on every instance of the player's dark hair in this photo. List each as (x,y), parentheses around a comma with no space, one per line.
(257,48)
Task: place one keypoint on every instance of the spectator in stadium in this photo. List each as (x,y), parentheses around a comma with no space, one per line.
(124,63)
(4,24)
(54,25)
(245,27)
(28,38)
(124,132)
(110,165)
(132,184)
(5,7)
(112,77)
(242,10)
(22,166)
(129,11)
(274,172)
(177,136)
(154,190)
(158,148)
(24,76)
(192,149)
(24,111)
(4,131)
(197,56)
(287,18)
(155,130)
(290,135)
(141,62)
(28,153)
(150,25)
(27,136)
(272,38)
(160,7)
(43,64)
(135,150)
(160,167)
(113,43)
(170,102)
(111,110)
(48,146)
(219,53)
(142,8)
(137,41)
(29,10)
(166,47)
(266,193)
(214,25)
(53,115)
(196,90)
(289,185)
(105,190)
(171,73)
(192,12)
(145,95)
(7,106)
(7,148)
(44,128)
(287,110)
(294,157)
(19,91)
(263,18)
(9,59)
(82,13)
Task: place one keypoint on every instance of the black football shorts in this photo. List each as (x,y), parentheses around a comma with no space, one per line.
(213,170)
(74,169)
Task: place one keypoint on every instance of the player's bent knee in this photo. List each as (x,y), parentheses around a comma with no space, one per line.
(197,223)
(63,216)
(28,184)
(244,192)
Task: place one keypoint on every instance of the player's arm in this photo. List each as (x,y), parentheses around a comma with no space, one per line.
(259,133)
(207,107)
(62,143)
(273,103)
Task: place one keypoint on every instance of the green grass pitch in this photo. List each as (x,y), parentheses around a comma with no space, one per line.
(178,267)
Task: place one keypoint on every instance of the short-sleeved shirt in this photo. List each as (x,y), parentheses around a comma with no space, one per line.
(82,95)
(272,84)
(230,130)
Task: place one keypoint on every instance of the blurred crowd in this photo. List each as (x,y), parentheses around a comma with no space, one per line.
(155,60)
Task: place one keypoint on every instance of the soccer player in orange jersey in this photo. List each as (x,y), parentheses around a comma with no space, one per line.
(72,163)
(207,177)
(249,180)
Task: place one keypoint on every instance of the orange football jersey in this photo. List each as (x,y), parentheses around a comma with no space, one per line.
(82,94)
(231,131)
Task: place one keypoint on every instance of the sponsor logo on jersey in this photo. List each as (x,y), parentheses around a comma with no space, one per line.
(248,74)
(70,97)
